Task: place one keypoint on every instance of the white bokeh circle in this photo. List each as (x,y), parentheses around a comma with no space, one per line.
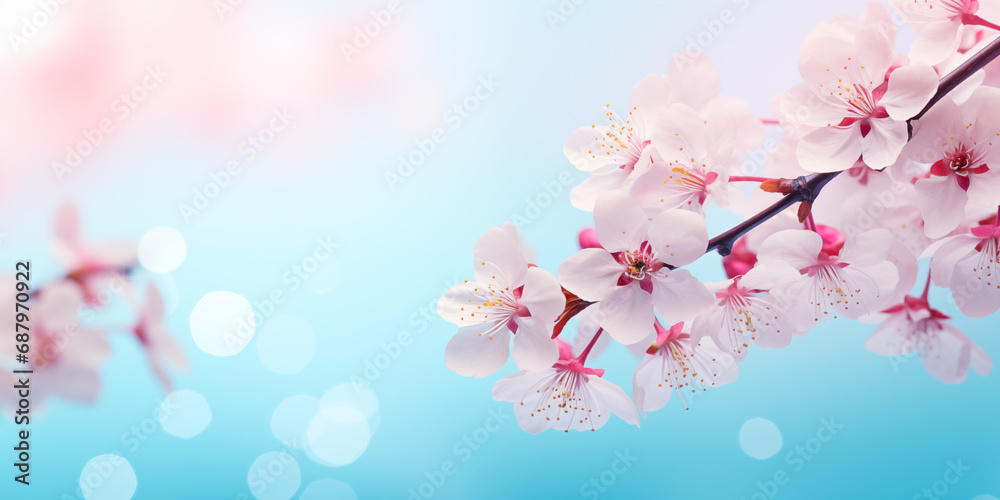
(108,477)
(162,249)
(291,419)
(274,476)
(184,413)
(222,323)
(760,438)
(338,434)
(359,395)
(328,489)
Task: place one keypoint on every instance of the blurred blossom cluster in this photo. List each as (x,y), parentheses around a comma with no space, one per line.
(76,75)
(70,322)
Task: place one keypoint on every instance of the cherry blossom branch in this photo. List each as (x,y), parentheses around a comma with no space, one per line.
(80,276)
(971,65)
(803,189)
(806,189)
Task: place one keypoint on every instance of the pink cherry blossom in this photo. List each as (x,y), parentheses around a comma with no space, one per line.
(617,153)
(913,326)
(65,355)
(967,264)
(858,108)
(872,200)
(507,296)
(695,83)
(847,27)
(632,271)
(152,333)
(833,224)
(744,311)
(567,396)
(589,324)
(697,159)
(957,141)
(620,152)
(674,363)
(89,265)
(850,280)
(938,24)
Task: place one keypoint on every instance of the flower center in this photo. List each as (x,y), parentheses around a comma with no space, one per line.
(695,178)
(635,265)
(621,142)
(959,162)
(638,266)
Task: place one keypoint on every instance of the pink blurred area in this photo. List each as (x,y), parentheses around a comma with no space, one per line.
(214,69)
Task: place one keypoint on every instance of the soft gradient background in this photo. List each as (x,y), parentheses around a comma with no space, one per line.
(399,248)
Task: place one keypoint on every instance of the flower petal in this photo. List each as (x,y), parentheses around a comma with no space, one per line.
(680,296)
(591,273)
(678,237)
(473,352)
(542,295)
(830,149)
(910,88)
(620,223)
(942,204)
(534,347)
(627,313)
(947,355)
(795,247)
(884,142)
(585,194)
(868,248)
(613,398)
(498,257)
